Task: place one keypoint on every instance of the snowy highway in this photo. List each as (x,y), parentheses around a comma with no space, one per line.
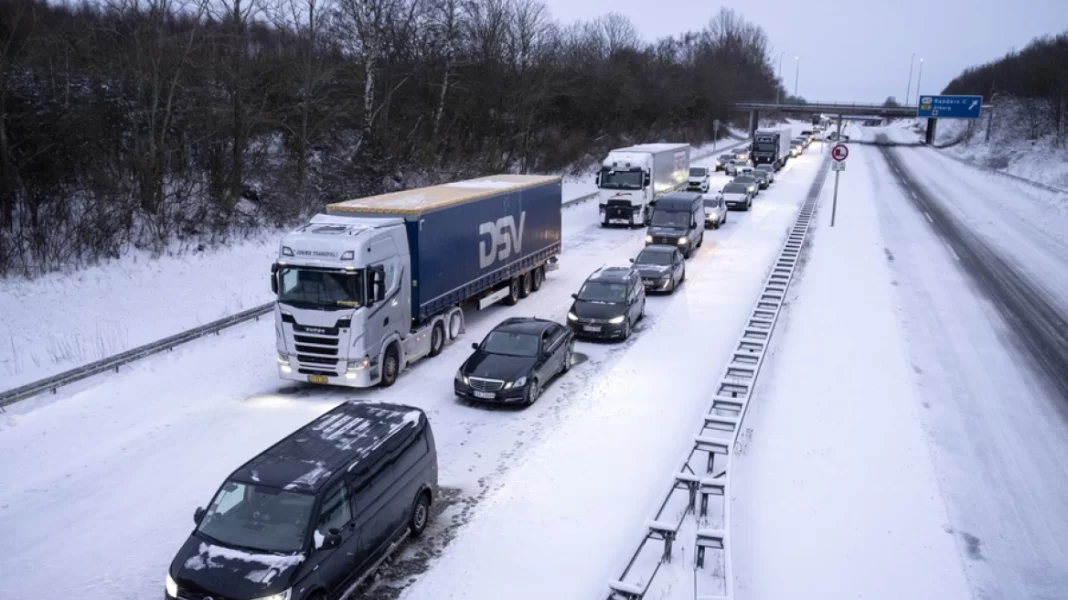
(100,481)
(910,422)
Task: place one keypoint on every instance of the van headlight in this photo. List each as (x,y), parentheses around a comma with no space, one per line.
(684,240)
(279,596)
(572,316)
(171,586)
(617,320)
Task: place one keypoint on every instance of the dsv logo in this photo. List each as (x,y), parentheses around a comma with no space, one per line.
(504,238)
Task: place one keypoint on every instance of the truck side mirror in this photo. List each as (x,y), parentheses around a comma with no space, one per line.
(274,278)
(646,180)
(198,515)
(597,178)
(378,285)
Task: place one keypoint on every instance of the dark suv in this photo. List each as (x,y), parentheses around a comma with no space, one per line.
(313,515)
(608,305)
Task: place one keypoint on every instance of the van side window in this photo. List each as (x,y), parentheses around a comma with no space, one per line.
(335,511)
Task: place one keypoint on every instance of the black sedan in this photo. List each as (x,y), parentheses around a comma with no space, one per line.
(515,361)
(662,268)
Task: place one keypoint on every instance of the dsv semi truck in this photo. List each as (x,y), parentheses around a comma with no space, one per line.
(631,179)
(377,283)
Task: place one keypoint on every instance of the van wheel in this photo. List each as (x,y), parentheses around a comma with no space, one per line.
(390,366)
(513,292)
(420,515)
(437,338)
(527,284)
(539,278)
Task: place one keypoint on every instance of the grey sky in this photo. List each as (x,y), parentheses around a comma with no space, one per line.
(856,50)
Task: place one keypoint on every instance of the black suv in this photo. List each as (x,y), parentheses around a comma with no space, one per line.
(313,515)
(608,305)
(515,361)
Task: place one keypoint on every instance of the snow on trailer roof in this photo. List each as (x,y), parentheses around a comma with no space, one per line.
(653,147)
(420,200)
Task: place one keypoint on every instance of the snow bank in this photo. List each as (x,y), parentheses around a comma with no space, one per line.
(835,493)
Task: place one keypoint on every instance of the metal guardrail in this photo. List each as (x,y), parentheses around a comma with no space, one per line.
(112,363)
(1030,182)
(695,514)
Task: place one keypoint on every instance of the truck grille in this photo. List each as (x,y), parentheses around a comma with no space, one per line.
(317,348)
(485,385)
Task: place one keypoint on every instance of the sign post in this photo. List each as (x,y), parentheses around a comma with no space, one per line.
(715,134)
(839,154)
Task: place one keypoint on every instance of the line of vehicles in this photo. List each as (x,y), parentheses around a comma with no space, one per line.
(374,285)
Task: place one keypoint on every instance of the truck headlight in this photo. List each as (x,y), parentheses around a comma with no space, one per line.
(617,320)
(358,365)
(171,587)
(518,383)
(648,239)
(572,316)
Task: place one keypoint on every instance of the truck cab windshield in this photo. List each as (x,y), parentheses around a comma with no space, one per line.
(673,218)
(258,518)
(621,180)
(310,288)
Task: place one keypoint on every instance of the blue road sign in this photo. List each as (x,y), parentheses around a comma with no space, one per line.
(949,107)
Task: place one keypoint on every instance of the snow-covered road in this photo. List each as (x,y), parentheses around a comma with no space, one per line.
(908,441)
(100,481)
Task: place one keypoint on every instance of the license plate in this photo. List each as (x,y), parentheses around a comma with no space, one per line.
(485,395)
(592,328)
(318,379)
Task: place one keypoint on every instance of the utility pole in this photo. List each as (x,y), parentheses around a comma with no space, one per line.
(908,94)
(797,73)
(990,119)
(778,77)
(919,78)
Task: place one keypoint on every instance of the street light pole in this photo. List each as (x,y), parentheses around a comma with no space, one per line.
(908,94)
(919,78)
(778,78)
(797,73)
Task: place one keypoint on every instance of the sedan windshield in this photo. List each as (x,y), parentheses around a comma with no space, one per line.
(310,288)
(674,218)
(600,291)
(258,518)
(653,257)
(744,179)
(621,180)
(734,188)
(510,343)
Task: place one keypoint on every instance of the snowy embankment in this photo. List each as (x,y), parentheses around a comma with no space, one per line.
(64,320)
(918,437)
(835,493)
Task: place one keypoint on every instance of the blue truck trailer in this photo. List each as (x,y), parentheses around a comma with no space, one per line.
(378,283)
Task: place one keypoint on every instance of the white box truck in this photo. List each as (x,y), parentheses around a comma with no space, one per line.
(772,146)
(632,178)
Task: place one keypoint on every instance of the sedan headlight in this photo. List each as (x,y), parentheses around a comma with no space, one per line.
(518,383)
(572,316)
(617,320)
(460,376)
(171,587)
(279,596)
(648,239)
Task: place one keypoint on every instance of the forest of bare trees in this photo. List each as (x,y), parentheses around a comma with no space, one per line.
(1028,88)
(141,123)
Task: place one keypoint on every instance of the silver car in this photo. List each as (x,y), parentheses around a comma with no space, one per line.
(735,166)
(768,170)
(715,211)
(736,196)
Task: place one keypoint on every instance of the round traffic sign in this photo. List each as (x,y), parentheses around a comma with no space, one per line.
(839,152)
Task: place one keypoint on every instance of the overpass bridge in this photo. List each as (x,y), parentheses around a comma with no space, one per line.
(840,110)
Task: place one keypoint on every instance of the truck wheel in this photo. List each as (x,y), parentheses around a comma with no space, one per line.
(456,322)
(527,284)
(437,338)
(513,292)
(390,366)
(539,278)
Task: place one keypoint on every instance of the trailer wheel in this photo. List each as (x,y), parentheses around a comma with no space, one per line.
(390,365)
(437,338)
(513,292)
(527,284)
(456,324)
(539,278)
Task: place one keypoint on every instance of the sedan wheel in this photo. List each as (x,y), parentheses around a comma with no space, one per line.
(569,358)
(533,390)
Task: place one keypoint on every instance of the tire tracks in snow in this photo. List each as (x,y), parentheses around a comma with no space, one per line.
(1039,325)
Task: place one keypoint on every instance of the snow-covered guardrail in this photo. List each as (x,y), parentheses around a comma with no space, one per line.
(689,536)
(1030,182)
(112,363)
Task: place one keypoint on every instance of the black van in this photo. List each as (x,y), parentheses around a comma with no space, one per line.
(678,220)
(314,514)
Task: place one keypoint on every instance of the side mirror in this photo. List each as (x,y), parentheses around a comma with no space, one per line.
(646,180)
(378,285)
(474,345)
(632,260)
(333,539)
(575,296)
(198,515)
(597,178)
(274,278)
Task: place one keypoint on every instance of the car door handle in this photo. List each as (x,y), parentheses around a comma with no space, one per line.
(385,322)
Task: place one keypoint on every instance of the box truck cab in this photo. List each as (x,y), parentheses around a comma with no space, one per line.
(772,147)
(631,179)
(378,283)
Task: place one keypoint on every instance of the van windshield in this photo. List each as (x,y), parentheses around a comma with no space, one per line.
(258,518)
(671,218)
